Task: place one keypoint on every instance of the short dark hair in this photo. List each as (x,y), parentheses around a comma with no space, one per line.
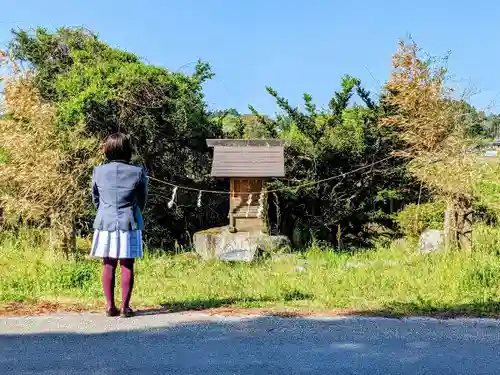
(118,147)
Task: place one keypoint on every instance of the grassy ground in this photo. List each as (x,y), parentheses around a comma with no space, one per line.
(390,281)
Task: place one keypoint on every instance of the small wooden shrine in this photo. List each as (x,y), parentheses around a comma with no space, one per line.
(248,163)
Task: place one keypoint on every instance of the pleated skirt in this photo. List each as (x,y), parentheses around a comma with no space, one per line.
(117,244)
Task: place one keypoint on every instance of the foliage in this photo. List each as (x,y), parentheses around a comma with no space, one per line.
(486,190)
(243,126)
(230,121)
(322,144)
(415,218)
(474,121)
(430,124)
(99,90)
(491,126)
(44,176)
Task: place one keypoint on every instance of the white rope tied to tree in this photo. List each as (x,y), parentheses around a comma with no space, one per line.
(249,202)
(299,186)
(172,200)
(261,204)
(198,202)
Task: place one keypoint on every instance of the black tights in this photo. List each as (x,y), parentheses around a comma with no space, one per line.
(108,281)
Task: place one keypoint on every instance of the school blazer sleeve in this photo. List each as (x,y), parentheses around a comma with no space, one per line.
(142,190)
(95,191)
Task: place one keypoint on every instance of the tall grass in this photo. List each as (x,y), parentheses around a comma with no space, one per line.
(395,279)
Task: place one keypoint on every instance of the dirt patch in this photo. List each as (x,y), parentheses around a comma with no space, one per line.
(47,307)
(42,308)
(325,313)
(285,313)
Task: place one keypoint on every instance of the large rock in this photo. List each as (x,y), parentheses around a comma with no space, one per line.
(220,244)
(431,240)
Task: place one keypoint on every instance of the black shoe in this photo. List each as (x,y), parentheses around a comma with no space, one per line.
(127,313)
(112,312)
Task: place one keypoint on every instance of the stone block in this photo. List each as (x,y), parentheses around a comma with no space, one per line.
(220,244)
(431,240)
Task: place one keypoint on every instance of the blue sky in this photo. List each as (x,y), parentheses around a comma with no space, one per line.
(294,46)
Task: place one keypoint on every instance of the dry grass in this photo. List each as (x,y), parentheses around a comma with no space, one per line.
(45,174)
(430,122)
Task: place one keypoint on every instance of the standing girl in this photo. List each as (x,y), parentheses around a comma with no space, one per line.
(119,191)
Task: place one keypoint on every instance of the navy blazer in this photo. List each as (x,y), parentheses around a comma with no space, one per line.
(119,191)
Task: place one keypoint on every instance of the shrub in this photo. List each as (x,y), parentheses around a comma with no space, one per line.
(416,218)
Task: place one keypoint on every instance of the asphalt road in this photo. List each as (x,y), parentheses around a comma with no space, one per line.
(199,344)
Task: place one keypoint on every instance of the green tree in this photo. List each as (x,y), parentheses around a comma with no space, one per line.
(100,90)
(231,122)
(492,126)
(474,121)
(334,142)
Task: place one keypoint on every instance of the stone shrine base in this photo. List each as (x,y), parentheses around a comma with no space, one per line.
(220,244)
